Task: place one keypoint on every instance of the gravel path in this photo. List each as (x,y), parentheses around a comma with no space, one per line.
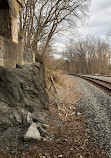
(96,106)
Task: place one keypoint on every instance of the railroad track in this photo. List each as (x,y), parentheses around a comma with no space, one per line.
(101,83)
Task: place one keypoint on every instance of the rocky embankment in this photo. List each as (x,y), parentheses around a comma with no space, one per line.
(22,92)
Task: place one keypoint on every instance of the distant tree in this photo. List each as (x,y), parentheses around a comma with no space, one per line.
(89,56)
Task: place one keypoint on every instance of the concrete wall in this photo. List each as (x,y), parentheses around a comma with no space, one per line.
(8,19)
(12,54)
(4,23)
(14,8)
(5,20)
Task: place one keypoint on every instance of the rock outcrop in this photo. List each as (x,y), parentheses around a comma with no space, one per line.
(22,90)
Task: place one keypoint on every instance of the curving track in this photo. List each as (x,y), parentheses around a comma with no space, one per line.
(102,82)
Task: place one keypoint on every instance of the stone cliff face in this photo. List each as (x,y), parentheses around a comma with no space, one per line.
(22,90)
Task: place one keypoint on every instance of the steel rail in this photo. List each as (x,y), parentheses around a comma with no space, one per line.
(101,83)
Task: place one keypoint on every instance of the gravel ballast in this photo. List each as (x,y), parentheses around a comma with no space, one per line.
(95,105)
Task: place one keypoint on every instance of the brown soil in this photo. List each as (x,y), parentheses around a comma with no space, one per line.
(70,136)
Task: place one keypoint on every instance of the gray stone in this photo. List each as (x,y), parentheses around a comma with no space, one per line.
(45,126)
(33,132)
(22,91)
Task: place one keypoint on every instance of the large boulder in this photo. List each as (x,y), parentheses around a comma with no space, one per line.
(22,90)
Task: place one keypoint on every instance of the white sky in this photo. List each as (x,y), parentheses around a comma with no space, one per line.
(98,24)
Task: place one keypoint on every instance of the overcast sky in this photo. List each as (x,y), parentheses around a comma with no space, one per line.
(98,24)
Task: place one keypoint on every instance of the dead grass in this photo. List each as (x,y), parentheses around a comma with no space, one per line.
(57,75)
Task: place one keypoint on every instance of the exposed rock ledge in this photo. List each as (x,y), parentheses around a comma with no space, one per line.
(22,90)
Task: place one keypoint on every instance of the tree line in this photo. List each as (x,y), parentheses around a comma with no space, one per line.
(88,56)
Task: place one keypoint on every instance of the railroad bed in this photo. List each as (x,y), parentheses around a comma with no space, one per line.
(100,81)
(104,78)
(95,105)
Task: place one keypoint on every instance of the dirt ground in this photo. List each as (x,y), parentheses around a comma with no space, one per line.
(69,136)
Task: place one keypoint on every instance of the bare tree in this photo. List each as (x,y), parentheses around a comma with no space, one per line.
(42,19)
(89,56)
